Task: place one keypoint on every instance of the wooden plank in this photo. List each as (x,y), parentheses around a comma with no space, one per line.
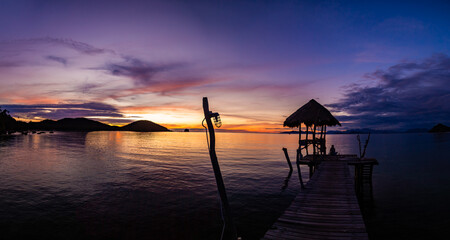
(316,234)
(326,209)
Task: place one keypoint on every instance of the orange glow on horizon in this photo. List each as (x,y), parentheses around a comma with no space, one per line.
(175,117)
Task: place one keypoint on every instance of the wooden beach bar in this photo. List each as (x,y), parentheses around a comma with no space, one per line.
(327,206)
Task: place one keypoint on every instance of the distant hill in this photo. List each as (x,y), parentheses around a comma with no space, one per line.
(439,128)
(8,124)
(144,126)
(71,124)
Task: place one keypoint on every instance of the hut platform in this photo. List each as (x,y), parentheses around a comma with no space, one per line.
(327,208)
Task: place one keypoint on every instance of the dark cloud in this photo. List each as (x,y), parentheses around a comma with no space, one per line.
(406,95)
(58,111)
(9,64)
(80,47)
(140,71)
(87,87)
(146,76)
(61,60)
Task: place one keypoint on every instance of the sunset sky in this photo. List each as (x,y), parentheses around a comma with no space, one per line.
(381,65)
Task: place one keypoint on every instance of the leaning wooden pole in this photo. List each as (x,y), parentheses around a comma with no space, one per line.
(287,159)
(230,228)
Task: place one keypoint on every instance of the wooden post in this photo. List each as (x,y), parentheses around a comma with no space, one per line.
(299,156)
(314,142)
(325,139)
(298,168)
(321,132)
(365,146)
(300,143)
(306,140)
(322,142)
(287,158)
(230,229)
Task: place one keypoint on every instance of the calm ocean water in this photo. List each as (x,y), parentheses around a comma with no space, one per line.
(127,185)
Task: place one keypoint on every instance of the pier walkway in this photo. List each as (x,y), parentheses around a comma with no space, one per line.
(326,209)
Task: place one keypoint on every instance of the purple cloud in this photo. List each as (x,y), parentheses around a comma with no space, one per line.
(9,64)
(407,95)
(140,71)
(80,47)
(58,111)
(61,60)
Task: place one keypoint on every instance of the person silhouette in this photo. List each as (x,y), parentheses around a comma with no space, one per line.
(333,151)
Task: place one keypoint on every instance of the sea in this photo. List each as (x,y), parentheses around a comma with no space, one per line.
(131,185)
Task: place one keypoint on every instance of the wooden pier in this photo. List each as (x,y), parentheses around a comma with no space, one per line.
(328,207)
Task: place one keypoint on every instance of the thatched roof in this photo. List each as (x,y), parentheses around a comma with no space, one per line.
(309,114)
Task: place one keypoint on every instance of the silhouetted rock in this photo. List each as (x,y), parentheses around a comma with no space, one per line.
(144,126)
(186,130)
(439,128)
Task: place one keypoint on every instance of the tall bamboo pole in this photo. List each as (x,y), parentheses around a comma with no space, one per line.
(230,229)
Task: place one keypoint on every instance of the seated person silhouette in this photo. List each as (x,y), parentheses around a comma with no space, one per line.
(333,151)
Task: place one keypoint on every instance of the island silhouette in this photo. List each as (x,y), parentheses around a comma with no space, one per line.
(439,128)
(9,124)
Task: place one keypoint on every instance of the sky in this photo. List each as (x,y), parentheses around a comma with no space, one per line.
(378,64)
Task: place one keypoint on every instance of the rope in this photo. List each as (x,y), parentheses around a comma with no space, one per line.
(206,131)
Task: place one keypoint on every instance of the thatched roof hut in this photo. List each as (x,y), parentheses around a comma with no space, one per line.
(312,113)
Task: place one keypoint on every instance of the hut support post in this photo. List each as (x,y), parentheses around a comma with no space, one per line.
(230,231)
(299,156)
(299,140)
(325,140)
(306,140)
(321,132)
(322,142)
(314,142)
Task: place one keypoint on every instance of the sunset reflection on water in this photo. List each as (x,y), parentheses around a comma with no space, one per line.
(116,185)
